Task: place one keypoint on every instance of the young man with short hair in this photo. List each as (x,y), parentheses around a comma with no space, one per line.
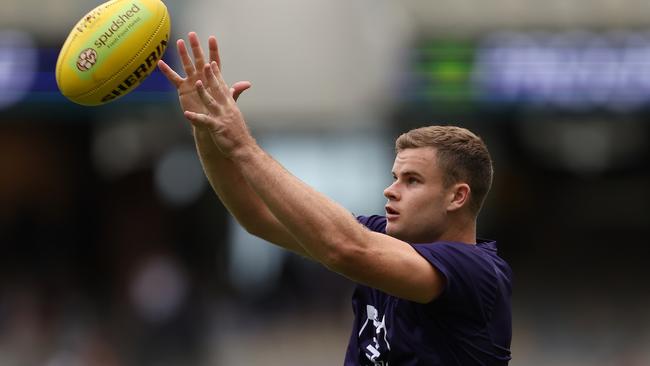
(429,292)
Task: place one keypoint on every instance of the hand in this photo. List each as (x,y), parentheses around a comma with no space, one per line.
(186,87)
(219,113)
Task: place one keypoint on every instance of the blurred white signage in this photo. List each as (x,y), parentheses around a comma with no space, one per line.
(568,70)
(18,65)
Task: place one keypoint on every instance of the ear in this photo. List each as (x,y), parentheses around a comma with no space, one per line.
(458,196)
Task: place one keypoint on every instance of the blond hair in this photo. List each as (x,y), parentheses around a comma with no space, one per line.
(462,157)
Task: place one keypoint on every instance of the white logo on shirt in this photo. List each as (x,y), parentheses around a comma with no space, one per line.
(373,350)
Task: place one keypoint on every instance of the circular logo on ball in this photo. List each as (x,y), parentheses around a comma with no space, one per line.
(87,58)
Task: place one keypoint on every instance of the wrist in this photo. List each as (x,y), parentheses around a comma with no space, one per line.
(204,144)
(245,153)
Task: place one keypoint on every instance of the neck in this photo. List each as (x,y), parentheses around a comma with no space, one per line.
(461,229)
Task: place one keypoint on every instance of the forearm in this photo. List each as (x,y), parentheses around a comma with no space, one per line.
(325,233)
(238,197)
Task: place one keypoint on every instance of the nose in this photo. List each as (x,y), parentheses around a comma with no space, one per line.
(391,192)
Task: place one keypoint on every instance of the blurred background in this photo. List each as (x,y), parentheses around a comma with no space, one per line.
(114,250)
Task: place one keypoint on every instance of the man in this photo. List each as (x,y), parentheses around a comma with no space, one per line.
(429,292)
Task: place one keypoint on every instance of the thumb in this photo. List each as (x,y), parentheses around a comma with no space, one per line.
(239,87)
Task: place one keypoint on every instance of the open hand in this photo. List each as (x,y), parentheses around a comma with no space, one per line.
(186,87)
(219,114)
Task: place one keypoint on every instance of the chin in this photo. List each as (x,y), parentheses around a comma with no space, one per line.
(394,232)
(389,230)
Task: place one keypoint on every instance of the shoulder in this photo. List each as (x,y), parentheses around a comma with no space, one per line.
(450,249)
(461,254)
(484,249)
(466,265)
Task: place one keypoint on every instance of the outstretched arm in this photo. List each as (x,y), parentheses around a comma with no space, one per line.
(224,176)
(326,230)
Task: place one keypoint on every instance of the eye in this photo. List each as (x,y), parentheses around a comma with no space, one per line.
(412,180)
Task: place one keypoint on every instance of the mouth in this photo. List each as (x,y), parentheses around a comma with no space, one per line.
(391,213)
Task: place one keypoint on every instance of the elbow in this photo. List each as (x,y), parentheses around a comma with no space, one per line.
(342,255)
(251,229)
(255,229)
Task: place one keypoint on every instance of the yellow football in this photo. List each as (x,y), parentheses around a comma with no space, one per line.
(112,49)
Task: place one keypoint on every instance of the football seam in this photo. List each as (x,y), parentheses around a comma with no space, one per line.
(128,64)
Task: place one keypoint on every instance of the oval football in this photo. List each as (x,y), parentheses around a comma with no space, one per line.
(112,49)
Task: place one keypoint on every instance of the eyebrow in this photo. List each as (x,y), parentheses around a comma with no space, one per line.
(410,173)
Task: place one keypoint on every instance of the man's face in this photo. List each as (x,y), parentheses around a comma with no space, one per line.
(417,200)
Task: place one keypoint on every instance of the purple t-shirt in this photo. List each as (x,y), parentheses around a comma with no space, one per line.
(468,324)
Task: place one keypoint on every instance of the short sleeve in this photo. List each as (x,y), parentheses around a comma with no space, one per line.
(470,275)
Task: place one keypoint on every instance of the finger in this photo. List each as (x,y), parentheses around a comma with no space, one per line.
(215,81)
(170,74)
(188,66)
(239,87)
(206,98)
(197,52)
(214,51)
